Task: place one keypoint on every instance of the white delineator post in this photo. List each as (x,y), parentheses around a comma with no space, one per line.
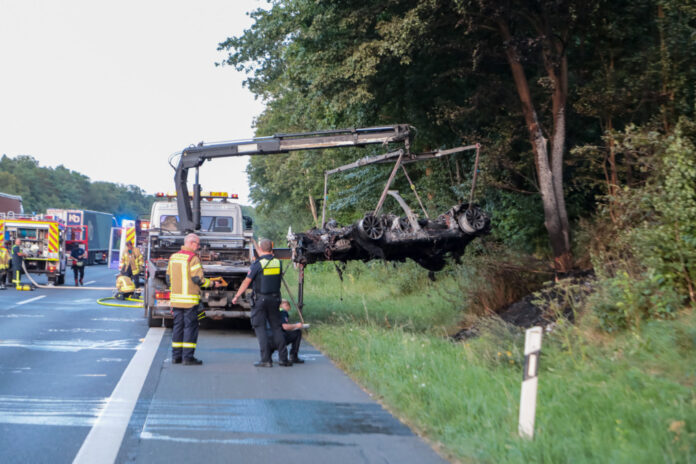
(532,350)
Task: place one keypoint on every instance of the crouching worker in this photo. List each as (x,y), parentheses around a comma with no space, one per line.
(124,287)
(292,334)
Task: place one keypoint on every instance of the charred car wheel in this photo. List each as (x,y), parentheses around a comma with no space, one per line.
(473,220)
(371,227)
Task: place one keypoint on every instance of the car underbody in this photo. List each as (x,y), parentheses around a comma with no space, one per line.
(393,238)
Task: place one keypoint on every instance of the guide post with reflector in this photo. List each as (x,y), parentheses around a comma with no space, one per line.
(528,397)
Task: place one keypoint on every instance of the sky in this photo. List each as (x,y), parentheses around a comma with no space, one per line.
(112,89)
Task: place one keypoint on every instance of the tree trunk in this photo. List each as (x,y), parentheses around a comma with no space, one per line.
(550,175)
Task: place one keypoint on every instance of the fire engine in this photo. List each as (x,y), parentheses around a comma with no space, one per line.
(42,242)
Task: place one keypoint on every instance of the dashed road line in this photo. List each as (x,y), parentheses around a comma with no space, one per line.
(90,282)
(31,299)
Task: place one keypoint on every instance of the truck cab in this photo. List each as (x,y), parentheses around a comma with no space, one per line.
(226,251)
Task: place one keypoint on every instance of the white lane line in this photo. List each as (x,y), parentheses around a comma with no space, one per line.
(104,440)
(90,282)
(31,299)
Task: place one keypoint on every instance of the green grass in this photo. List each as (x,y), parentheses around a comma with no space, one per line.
(388,294)
(628,398)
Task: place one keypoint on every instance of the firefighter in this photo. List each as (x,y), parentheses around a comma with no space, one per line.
(17,260)
(4,264)
(185,279)
(265,274)
(78,261)
(124,286)
(132,263)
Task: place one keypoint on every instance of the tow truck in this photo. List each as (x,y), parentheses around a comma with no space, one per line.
(229,254)
(42,240)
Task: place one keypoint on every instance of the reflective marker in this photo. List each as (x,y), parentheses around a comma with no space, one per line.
(532,349)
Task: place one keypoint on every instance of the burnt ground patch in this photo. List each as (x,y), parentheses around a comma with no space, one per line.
(556,299)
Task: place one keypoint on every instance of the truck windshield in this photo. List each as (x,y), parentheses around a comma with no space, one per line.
(208,223)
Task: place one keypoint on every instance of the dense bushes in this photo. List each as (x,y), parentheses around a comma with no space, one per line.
(644,250)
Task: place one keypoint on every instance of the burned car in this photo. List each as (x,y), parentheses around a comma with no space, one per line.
(393,238)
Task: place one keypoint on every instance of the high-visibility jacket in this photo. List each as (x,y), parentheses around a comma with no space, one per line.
(133,260)
(4,259)
(183,266)
(124,284)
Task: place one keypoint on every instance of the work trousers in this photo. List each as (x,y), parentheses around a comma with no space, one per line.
(184,332)
(17,276)
(79,270)
(266,309)
(3,277)
(292,338)
(134,277)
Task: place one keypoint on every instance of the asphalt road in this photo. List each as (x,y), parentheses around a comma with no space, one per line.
(88,383)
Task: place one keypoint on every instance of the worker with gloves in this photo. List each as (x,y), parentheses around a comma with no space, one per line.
(132,263)
(124,286)
(265,274)
(185,279)
(4,264)
(78,261)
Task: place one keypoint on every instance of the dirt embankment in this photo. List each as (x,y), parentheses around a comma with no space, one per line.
(555,300)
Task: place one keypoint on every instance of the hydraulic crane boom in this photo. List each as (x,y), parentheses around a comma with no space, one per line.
(195,156)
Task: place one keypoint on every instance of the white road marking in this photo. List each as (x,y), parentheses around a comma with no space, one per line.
(104,440)
(90,282)
(31,299)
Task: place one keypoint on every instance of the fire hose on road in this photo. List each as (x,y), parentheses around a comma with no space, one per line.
(35,284)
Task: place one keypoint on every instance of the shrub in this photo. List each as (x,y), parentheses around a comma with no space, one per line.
(644,249)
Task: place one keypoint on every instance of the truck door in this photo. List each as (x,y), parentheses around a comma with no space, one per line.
(114,255)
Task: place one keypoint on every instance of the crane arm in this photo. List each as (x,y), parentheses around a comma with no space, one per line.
(195,156)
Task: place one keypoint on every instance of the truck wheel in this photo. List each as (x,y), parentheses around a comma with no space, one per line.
(153,321)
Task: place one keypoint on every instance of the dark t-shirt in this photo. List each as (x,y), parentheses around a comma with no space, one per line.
(284,318)
(78,254)
(16,259)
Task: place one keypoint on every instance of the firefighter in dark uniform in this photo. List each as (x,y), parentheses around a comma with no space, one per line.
(77,256)
(265,274)
(17,259)
(185,278)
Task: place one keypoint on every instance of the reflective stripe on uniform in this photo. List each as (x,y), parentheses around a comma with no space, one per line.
(271,267)
(195,267)
(184,298)
(177,344)
(188,345)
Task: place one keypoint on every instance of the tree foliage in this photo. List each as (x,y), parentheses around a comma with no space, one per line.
(448,68)
(42,188)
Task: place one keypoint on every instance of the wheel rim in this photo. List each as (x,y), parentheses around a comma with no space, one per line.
(372,227)
(472,221)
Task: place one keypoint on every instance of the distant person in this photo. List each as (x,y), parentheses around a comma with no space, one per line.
(185,279)
(265,275)
(78,261)
(17,261)
(132,263)
(4,264)
(124,287)
(292,333)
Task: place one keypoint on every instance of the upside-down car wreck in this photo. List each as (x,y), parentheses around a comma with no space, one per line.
(393,238)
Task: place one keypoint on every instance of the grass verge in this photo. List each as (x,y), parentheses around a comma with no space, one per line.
(626,398)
